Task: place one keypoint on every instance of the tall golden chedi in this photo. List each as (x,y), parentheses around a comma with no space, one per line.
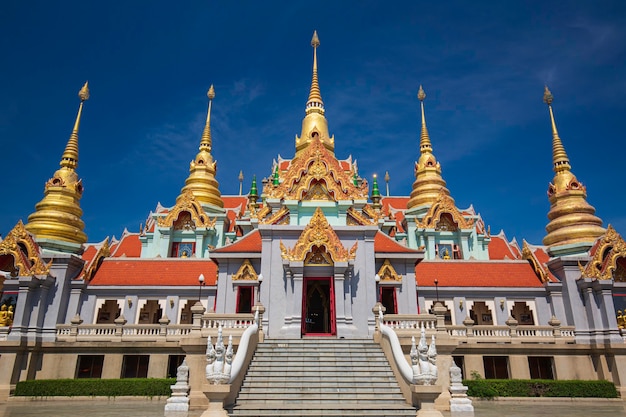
(428,180)
(56,222)
(573,226)
(201,181)
(314,124)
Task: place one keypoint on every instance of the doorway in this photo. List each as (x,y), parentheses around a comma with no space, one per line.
(318,307)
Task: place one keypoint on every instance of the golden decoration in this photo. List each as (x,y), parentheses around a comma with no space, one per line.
(388,273)
(604,263)
(317,257)
(245,272)
(187,203)
(444,204)
(103,252)
(572,218)
(528,255)
(318,234)
(261,214)
(279,217)
(361,219)
(19,244)
(316,174)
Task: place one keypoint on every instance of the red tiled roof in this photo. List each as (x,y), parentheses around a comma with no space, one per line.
(476,274)
(129,246)
(89,253)
(235,201)
(154,272)
(541,255)
(251,243)
(384,244)
(398,203)
(499,248)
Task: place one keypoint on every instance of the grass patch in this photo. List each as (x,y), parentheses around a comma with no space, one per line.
(140,387)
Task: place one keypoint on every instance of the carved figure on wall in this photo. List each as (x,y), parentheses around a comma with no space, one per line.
(6,316)
(424,360)
(218,360)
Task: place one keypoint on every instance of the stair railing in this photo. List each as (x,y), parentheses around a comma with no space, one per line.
(242,350)
(406,370)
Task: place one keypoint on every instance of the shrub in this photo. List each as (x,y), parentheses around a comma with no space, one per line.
(489,388)
(142,387)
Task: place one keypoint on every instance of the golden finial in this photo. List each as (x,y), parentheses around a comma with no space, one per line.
(211,93)
(547,96)
(205,142)
(315,103)
(69,159)
(559,156)
(315,41)
(421,95)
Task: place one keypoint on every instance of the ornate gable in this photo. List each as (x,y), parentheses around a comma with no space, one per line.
(528,255)
(316,175)
(246,272)
(367,217)
(445,205)
(387,273)
(187,214)
(280,217)
(25,252)
(103,252)
(316,235)
(605,262)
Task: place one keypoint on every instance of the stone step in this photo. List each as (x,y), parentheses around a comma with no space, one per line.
(330,410)
(331,390)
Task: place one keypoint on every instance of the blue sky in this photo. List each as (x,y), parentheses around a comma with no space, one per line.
(149,64)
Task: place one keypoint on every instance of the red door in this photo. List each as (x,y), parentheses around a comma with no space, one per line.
(318,307)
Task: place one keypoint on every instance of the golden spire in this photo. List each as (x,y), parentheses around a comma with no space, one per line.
(573,226)
(428,180)
(201,181)
(57,217)
(314,125)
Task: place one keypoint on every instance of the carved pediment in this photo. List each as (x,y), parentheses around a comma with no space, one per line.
(280,217)
(528,255)
(367,217)
(445,205)
(187,214)
(318,235)
(387,273)
(246,272)
(605,263)
(103,252)
(25,252)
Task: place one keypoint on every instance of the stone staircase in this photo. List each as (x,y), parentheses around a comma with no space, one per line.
(320,377)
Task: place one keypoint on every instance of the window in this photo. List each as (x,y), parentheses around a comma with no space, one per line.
(480,313)
(388,299)
(89,366)
(109,311)
(496,367)
(245,300)
(150,313)
(541,367)
(173,363)
(183,249)
(135,366)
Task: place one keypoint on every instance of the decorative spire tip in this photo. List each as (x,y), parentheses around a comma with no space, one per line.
(84,92)
(547,96)
(315,41)
(211,93)
(421,95)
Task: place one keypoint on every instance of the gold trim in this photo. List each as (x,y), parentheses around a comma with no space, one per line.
(103,252)
(187,203)
(609,249)
(318,233)
(280,217)
(245,272)
(26,263)
(444,204)
(388,273)
(528,255)
(361,219)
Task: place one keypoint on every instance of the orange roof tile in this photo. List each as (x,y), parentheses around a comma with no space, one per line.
(384,244)
(398,203)
(89,253)
(499,248)
(476,274)
(129,246)
(251,243)
(235,201)
(154,272)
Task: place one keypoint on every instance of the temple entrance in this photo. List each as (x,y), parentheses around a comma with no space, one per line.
(318,307)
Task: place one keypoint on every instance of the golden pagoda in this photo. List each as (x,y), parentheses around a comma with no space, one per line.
(57,217)
(573,223)
(428,180)
(201,181)
(314,124)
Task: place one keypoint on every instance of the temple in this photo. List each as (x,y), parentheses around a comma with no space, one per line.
(317,251)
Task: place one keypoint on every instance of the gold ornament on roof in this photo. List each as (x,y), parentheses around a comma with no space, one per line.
(187,203)
(387,273)
(607,252)
(279,217)
(318,234)
(103,252)
(201,180)
(245,272)
(572,218)
(316,174)
(527,254)
(428,180)
(20,245)
(444,204)
(365,218)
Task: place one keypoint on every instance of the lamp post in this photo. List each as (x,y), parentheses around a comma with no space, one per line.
(377,279)
(437,289)
(259,278)
(200,285)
